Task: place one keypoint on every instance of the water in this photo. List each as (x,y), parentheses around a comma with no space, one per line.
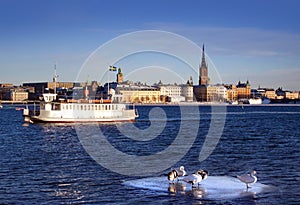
(47,164)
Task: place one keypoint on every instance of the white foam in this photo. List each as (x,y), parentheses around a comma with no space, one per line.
(214,187)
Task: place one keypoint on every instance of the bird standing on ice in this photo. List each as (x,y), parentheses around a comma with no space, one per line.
(248,178)
(197,177)
(175,173)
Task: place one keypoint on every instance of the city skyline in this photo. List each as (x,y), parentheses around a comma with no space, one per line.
(251,40)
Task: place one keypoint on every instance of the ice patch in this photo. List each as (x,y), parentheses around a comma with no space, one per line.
(214,187)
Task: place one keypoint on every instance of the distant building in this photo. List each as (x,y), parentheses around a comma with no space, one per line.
(177,93)
(243,90)
(210,93)
(216,93)
(120,77)
(201,91)
(4,85)
(291,95)
(203,70)
(138,94)
(18,95)
(13,93)
(42,87)
(231,93)
(267,93)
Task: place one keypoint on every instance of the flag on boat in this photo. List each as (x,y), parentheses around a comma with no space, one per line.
(112,68)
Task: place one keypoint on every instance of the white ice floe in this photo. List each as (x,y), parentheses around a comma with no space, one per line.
(214,187)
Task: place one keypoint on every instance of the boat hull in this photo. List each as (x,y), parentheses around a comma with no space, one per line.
(34,119)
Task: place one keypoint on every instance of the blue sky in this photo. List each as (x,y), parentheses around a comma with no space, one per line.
(250,40)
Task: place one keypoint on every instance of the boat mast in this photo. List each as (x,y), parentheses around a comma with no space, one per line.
(55,78)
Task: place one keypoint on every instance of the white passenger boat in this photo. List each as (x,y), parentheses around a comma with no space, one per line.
(52,110)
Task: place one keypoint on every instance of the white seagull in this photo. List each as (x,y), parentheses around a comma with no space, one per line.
(175,173)
(197,177)
(248,178)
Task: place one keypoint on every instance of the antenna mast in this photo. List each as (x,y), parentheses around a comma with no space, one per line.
(55,78)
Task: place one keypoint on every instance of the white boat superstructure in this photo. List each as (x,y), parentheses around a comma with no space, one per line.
(51,110)
(255,101)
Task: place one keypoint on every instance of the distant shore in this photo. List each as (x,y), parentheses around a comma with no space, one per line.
(4,102)
(8,102)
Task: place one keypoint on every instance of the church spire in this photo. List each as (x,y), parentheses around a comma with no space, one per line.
(203,70)
(203,62)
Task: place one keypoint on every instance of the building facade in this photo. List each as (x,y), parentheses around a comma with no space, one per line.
(243,90)
(138,94)
(177,93)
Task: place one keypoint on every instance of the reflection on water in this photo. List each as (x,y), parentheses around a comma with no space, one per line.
(180,188)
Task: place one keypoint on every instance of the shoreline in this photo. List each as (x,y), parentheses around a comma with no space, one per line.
(7,102)
(214,104)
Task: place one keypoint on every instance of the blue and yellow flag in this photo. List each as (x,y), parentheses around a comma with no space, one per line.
(112,68)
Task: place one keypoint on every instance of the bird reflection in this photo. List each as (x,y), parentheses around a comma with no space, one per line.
(180,188)
(177,187)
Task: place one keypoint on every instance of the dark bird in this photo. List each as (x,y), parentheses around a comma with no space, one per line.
(175,173)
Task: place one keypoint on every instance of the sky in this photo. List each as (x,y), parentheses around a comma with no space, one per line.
(152,40)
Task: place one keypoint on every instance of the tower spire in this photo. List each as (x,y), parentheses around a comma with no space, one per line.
(203,70)
(203,62)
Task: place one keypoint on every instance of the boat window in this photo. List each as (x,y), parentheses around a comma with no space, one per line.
(55,106)
(81,107)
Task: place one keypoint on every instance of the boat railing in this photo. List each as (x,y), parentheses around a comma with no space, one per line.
(89,101)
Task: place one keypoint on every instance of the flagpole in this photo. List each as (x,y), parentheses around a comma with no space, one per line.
(108,83)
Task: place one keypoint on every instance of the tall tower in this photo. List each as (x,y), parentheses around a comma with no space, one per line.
(203,70)
(120,76)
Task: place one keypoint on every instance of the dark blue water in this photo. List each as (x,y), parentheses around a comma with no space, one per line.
(46,163)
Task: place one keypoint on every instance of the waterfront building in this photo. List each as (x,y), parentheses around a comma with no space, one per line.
(18,95)
(138,93)
(231,93)
(187,91)
(200,93)
(210,93)
(291,95)
(216,93)
(14,93)
(3,85)
(267,93)
(177,93)
(243,90)
(42,87)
